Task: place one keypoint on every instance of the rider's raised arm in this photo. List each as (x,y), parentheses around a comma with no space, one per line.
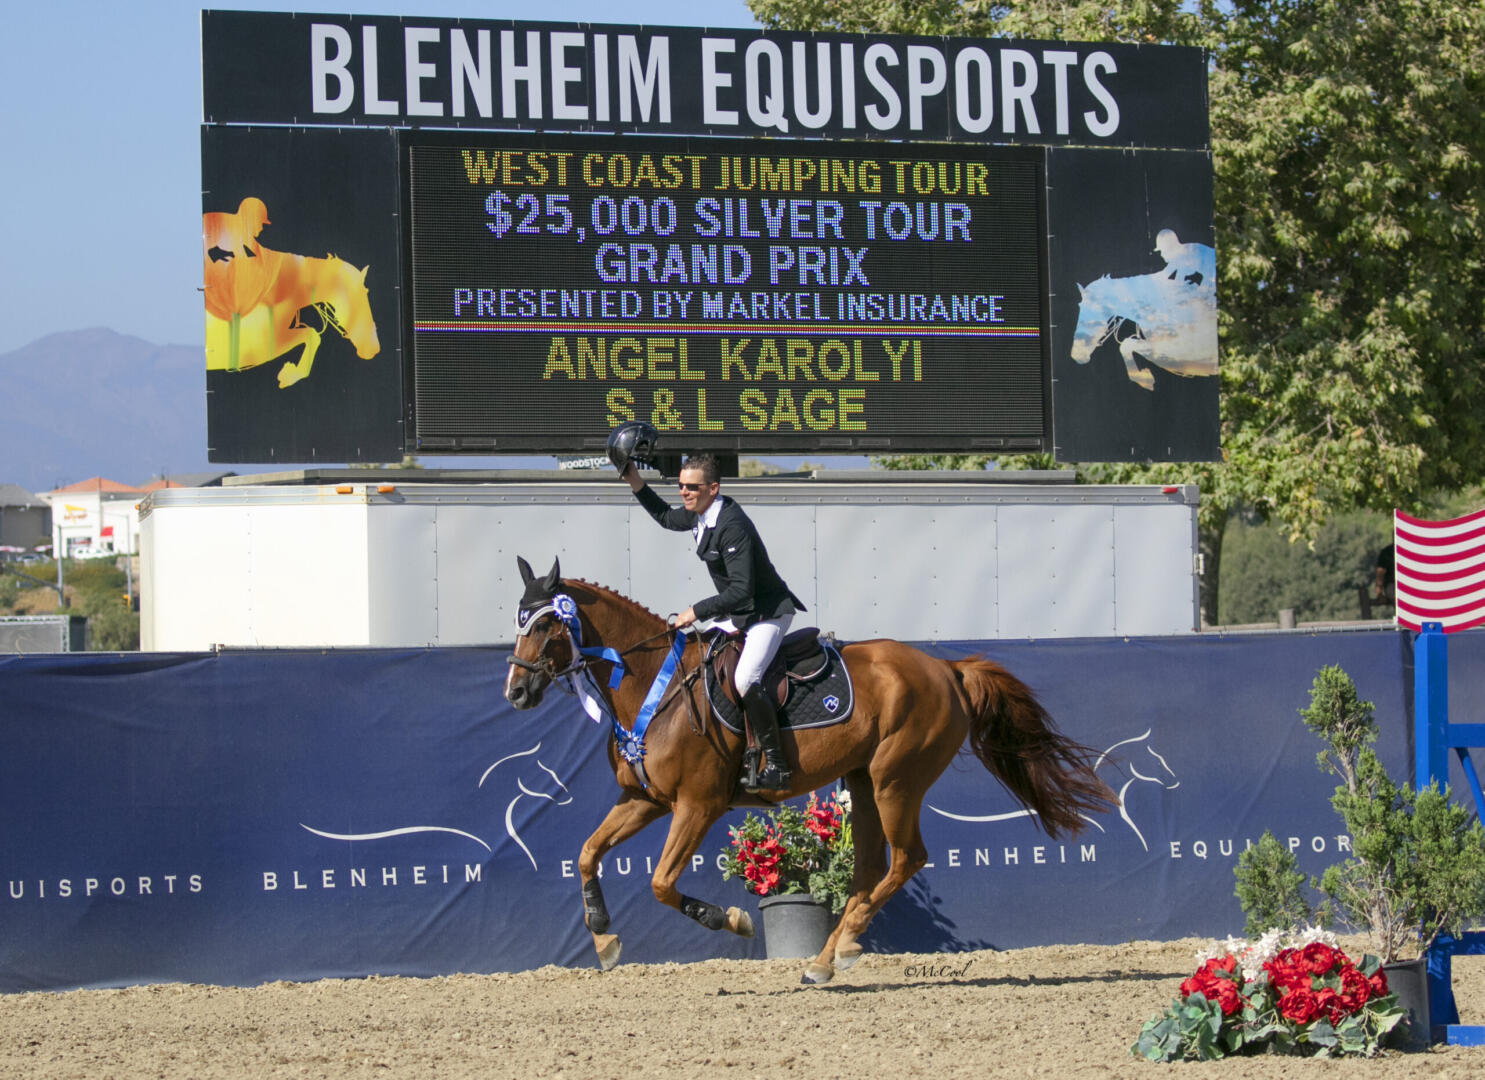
(677,518)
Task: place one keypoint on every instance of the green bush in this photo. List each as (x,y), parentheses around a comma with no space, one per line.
(98,588)
(10,589)
(1270,888)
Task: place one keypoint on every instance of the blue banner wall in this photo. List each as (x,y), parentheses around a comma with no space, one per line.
(248,816)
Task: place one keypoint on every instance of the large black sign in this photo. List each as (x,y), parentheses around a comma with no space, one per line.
(904,243)
(303,333)
(403,72)
(748,294)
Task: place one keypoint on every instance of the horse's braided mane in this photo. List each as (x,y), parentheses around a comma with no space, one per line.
(618,597)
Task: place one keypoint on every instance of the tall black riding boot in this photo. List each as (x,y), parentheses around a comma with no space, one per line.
(774,776)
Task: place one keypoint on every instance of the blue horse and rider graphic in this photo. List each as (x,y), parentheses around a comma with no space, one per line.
(1167,319)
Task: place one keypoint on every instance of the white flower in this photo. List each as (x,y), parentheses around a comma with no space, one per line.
(1251,956)
(843,797)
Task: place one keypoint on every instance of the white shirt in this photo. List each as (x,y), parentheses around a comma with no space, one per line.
(707,520)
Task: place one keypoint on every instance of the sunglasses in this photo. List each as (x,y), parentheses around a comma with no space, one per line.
(692,487)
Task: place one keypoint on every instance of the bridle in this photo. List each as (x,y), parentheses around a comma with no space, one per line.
(1111,328)
(329,320)
(564,609)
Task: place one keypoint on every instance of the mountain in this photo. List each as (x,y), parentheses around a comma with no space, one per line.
(99,403)
(95,402)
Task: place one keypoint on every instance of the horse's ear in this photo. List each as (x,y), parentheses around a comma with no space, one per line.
(552,578)
(526,572)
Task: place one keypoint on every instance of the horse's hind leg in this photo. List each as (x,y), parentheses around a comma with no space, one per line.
(688,824)
(628,816)
(841,948)
(897,806)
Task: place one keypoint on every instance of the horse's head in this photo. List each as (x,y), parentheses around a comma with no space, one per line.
(1094,319)
(350,304)
(544,646)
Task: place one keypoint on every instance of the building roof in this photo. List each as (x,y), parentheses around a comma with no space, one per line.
(96,484)
(15,495)
(186,480)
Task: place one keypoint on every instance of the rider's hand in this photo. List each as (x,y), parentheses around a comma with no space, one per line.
(685,618)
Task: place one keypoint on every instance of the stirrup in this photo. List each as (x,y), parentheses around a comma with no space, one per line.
(752,765)
(772,777)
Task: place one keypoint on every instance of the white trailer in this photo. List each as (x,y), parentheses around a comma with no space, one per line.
(405,558)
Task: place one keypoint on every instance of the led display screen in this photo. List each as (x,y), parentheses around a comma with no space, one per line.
(739,294)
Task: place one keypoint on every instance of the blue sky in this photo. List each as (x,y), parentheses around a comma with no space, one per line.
(101,130)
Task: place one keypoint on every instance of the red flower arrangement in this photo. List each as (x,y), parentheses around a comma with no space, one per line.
(1309,999)
(796,850)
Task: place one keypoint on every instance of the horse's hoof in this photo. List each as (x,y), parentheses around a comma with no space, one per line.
(739,922)
(288,375)
(817,973)
(846,955)
(609,947)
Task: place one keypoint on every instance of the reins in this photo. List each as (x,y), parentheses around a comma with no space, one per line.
(687,681)
(544,664)
(662,691)
(328,320)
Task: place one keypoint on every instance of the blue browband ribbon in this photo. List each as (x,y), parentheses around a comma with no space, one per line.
(566,610)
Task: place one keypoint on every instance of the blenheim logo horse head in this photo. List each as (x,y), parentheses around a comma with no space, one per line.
(523,772)
(1131,765)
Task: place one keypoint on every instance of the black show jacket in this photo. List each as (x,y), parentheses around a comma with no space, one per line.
(749,589)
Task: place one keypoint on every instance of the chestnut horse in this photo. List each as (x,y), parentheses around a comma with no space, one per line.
(912,714)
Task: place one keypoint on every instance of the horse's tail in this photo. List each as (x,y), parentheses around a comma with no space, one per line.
(1017,741)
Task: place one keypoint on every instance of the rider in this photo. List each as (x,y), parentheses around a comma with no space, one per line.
(234,277)
(750,592)
(1191,264)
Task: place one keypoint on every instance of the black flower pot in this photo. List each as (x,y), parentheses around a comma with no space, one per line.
(1408,979)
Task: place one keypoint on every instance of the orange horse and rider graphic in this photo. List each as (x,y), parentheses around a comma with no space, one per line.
(255,298)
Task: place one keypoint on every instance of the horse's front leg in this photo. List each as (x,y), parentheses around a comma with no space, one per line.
(287,340)
(1138,375)
(630,814)
(688,825)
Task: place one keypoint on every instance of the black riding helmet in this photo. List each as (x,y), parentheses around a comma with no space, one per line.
(633,440)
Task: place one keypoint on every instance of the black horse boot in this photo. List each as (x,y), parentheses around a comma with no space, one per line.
(774,776)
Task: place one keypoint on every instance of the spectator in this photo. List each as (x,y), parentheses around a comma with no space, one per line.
(1386,574)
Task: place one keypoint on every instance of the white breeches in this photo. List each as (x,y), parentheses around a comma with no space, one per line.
(760,644)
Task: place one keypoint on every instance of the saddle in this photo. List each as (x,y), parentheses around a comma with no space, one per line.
(800,659)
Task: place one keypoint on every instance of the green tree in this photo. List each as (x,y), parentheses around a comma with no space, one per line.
(97,590)
(1417,867)
(1349,158)
(1262,571)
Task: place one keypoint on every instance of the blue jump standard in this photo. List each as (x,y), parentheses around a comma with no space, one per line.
(1433,738)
